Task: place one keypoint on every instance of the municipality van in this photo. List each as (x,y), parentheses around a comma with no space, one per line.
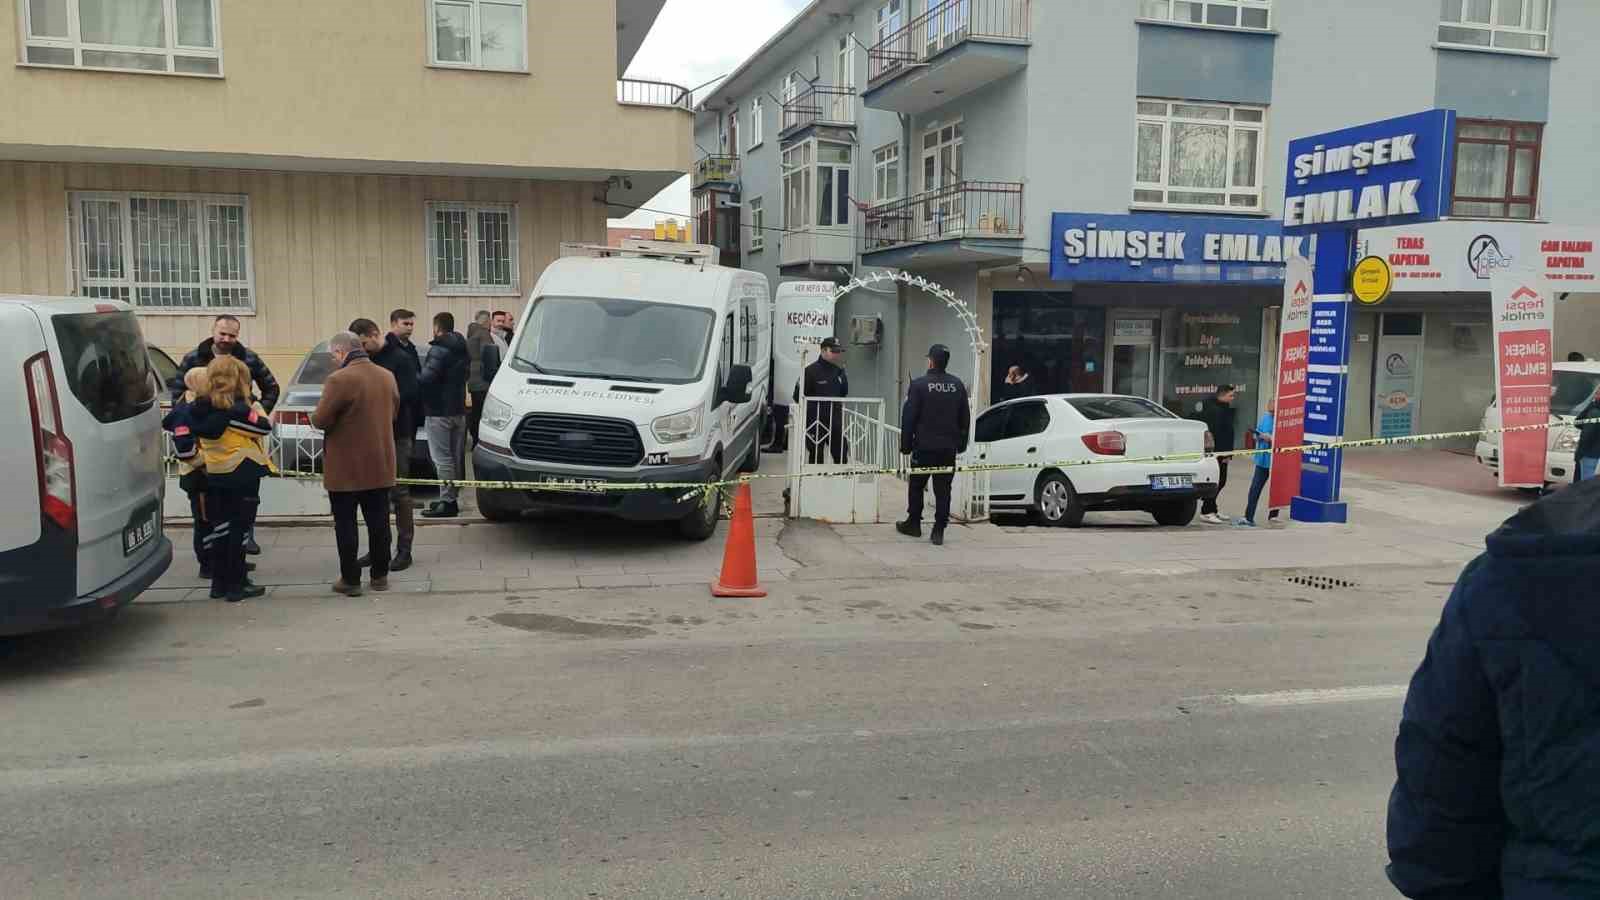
(645,363)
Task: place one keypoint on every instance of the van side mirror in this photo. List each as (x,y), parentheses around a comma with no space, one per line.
(737,387)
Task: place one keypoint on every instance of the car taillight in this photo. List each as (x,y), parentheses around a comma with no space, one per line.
(1106,443)
(288,417)
(58,487)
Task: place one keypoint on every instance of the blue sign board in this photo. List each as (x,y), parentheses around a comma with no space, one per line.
(1169,248)
(1394,172)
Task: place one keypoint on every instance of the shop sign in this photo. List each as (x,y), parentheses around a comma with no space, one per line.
(1175,248)
(1294,356)
(1447,257)
(1371,280)
(1523,315)
(1396,390)
(1382,173)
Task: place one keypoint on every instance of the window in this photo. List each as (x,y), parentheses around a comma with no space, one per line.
(1502,24)
(179,36)
(797,187)
(1497,169)
(725,361)
(941,156)
(749,330)
(844,72)
(758,225)
(107,365)
(1096,409)
(1199,155)
(756,111)
(891,18)
(730,135)
(992,425)
(472,248)
(792,87)
(833,183)
(886,172)
(479,34)
(1224,13)
(178,252)
(1027,420)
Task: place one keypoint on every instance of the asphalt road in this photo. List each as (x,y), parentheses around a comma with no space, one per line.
(1221,736)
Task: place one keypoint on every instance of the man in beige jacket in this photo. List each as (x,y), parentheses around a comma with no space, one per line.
(356,415)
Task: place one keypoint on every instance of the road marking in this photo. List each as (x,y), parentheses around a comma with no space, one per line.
(1326,695)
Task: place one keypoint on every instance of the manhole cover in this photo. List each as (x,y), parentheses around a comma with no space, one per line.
(1321,582)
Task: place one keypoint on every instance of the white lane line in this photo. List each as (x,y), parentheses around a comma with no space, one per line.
(1326,695)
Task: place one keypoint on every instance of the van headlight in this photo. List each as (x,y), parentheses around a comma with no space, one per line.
(1568,441)
(496,413)
(677,427)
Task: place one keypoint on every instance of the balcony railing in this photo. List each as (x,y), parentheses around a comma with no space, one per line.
(821,105)
(966,209)
(945,25)
(635,92)
(716,170)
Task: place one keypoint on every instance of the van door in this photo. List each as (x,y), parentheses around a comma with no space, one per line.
(20,339)
(113,421)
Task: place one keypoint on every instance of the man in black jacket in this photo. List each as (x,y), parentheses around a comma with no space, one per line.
(225,339)
(444,406)
(933,429)
(825,421)
(1219,415)
(388,352)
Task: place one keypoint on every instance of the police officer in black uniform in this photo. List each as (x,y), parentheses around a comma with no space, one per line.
(826,378)
(933,427)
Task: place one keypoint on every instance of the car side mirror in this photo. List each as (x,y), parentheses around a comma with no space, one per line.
(737,388)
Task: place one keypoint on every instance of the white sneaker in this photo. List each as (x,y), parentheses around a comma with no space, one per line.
(1214,519)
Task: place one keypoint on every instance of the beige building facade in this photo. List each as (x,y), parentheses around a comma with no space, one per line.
(302,164)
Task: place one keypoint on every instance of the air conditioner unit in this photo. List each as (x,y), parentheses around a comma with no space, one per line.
(866,331)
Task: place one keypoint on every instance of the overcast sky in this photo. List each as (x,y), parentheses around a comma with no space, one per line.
(685,48)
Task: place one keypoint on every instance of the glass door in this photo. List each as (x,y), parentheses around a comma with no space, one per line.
(1133,358)
(942,213)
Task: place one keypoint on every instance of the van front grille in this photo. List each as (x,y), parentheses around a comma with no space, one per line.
(578,441)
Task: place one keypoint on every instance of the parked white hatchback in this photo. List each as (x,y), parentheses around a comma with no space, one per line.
(1572,386)
(1076,442)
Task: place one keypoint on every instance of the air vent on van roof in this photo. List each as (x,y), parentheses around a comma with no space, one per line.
(634,389)
(545,382)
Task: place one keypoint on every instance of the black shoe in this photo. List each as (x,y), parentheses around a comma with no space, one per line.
(364,561)
(442,511)
(249,566)
(248,592)
(251,547)
(401,561)
(205,573)
(938,537)
(909,528)
(217,594)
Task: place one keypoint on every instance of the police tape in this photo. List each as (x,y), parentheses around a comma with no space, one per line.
(704,488)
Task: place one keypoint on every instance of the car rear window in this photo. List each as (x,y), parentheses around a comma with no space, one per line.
(106,363)
(1097,408)
(316,368)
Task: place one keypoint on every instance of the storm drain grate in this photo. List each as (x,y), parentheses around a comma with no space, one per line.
(1321,582)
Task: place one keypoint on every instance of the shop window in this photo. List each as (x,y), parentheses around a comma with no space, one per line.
(1202,349)
(1497,169)
(1060,346)
(1255,14)
(1501,24)
(1199,156)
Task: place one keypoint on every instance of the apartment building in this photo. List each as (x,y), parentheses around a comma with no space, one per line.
(1104,181)
(300,164)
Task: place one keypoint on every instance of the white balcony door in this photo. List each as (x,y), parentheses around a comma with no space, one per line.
(941,174)
(840,105)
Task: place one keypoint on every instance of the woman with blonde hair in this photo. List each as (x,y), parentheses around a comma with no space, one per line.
(232,433)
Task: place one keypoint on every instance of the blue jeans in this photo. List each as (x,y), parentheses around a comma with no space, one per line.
(1258,482)
(1586,467)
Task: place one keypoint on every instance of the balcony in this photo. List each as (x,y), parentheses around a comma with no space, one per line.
(716,171)
(953,49)
(817,252)
(829,107)
(966,222)
(635,92)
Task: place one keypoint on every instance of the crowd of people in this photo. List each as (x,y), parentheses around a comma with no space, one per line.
(380,392)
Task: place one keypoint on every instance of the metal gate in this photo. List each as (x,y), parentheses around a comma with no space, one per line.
(832,436)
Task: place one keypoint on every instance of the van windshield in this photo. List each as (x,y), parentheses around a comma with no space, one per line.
(625,340)
(1572,391)
(106,363)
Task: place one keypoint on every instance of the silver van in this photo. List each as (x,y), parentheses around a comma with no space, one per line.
(80,435)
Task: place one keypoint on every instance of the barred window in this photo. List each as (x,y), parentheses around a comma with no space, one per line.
(472,249)
(163,252)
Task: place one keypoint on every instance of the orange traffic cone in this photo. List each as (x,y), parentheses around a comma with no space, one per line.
(739,557)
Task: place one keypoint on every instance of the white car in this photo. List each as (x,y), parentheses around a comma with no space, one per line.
(1101,429)
(1572,386)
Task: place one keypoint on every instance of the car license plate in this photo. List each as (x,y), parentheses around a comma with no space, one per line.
(136,536)
(578,484)
(1171,482)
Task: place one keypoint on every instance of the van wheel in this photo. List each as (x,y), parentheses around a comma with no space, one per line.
(1176,513)
(499,506)
(701,523)
(1057,503)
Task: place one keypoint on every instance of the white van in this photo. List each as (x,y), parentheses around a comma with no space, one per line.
(80,431)
(639,364)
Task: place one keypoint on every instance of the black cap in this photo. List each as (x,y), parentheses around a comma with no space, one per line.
(939,355)
(832,343)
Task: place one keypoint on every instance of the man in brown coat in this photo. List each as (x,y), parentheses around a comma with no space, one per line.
(356,415)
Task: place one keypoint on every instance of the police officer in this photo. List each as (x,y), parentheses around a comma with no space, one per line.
(933,427)
(826,378)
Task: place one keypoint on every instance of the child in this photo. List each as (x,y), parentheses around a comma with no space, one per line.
(191,469)
(231,437)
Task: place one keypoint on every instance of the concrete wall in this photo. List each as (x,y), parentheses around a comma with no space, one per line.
(1205,64)
(1569,190)
(325,248)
